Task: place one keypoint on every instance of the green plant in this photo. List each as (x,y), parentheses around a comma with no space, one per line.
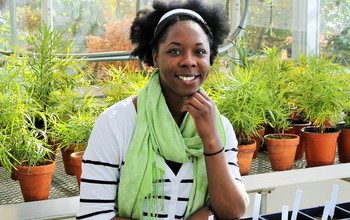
(22,141)
(47,66)
(73,101)
(278,80)
(74,119)
(75,131)
(323,90)
(29,79)
(121,83)
(240,99)
(7,160)
(346,120)
(273,75)
(277,119)
(346,104)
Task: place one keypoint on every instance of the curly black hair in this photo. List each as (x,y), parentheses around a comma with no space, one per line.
(146,20)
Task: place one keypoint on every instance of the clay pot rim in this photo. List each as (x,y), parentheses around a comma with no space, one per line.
(316,130)
(47,168)
(285,134)
(48,162)
(77,154)
(247,141)
(299,122)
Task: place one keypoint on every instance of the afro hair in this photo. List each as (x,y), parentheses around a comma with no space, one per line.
(146,20)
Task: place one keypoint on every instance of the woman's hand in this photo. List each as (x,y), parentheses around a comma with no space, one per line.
(203,112)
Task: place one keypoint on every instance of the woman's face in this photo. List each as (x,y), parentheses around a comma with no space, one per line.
(183,59)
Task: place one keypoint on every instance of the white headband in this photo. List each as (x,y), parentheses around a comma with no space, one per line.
(181,11)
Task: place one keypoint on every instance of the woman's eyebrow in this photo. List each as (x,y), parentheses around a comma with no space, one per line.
(174,43)
(179,44)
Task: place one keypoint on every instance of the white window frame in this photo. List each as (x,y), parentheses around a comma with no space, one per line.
(305,27)
(46,13)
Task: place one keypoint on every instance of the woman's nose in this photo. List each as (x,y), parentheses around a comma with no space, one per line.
(188,60)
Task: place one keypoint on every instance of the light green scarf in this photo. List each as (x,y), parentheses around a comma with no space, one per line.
(156,137)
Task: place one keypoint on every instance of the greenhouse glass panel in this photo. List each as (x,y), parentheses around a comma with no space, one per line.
(269,24)
(18,19)
(95,26)
(335,29)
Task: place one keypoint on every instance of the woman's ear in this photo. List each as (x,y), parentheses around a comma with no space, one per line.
(155,59)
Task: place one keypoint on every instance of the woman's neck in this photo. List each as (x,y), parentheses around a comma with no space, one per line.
(175,109)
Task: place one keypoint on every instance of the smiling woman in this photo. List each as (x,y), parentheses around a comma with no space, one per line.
(167,152)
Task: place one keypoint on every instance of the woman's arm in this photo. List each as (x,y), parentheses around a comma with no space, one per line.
(227,196)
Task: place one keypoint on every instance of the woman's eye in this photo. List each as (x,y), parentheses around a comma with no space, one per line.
(175,51)
(201,52)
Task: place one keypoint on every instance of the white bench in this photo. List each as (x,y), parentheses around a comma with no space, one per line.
(65,208)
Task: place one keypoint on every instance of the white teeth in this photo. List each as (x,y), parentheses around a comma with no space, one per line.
(187,78)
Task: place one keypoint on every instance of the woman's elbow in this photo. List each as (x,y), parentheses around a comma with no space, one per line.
(234,210)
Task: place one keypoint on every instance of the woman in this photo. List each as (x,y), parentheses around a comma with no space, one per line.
(166,153)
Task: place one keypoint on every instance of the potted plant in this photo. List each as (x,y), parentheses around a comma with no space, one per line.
(35,170)
(72,133)
(241,100)
(344,126)
(320,97)
(38,75)
(344,139)
(41,72)
(25,145)
(281,146)
(274,75)
(277,80)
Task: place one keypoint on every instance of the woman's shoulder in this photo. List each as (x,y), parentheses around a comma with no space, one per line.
(119,115)
(123,106)
(113,129)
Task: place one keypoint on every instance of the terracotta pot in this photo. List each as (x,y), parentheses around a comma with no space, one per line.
(281,151)
(76,161)
(258,140)
(296,126)
(344,145)
(35,182)
(245,157)
(320,148)
(69,169)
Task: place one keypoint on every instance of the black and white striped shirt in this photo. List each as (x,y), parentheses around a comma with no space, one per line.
(103,163)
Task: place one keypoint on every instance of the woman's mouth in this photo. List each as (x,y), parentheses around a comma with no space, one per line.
(187,78)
